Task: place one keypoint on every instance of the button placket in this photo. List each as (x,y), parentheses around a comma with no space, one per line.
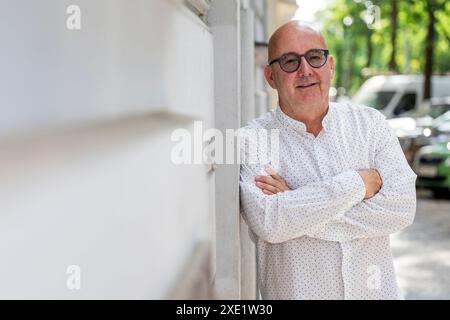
(319,150)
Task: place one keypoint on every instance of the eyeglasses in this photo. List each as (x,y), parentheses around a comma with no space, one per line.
(290,62)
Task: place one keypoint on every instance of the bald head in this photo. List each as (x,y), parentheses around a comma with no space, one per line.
(292,31)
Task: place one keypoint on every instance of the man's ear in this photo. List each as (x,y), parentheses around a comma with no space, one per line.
(268,74)
(331,58)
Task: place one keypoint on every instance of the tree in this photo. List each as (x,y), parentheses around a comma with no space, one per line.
(429,48)
(432,6)
(418,39)
(394,27)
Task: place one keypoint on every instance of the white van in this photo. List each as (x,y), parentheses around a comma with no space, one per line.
(396,95)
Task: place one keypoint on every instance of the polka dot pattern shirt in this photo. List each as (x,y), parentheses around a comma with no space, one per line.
(322,240)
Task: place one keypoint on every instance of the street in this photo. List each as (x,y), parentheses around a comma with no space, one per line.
(422,251)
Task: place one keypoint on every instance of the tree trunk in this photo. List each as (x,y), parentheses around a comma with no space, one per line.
(430,40)
(369,48)
(339,62)
(394,27)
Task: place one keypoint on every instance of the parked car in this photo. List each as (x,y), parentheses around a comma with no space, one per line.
(417,130)
(433,108)
(396,95)
(432,163)
(432,166)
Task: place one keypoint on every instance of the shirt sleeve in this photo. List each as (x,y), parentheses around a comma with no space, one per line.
(392,208)
(292,214)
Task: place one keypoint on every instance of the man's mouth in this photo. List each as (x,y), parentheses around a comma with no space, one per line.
(308,85)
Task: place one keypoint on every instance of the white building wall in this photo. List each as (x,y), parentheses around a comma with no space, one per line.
(86,176)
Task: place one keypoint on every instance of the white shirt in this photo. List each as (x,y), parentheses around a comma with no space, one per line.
(322,240)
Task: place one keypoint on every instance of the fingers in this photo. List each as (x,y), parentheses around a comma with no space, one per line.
(268,192)
(274,174)
(372,180)
(268,187)
(371,173)
(269,181)
(271,184)
(377,177)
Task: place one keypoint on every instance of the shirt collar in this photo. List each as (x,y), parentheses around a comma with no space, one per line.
(299,126)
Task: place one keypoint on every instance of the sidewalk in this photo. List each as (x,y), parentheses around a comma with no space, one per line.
(422,251)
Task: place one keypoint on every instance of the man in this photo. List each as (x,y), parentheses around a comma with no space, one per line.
(321,218)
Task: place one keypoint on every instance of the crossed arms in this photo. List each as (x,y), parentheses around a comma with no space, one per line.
(345,207)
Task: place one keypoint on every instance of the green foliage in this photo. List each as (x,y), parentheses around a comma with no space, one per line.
(349,43)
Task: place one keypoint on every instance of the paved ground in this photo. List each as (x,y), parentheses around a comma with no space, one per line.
(422,251)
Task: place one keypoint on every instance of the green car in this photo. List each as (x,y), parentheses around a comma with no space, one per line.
(432,166)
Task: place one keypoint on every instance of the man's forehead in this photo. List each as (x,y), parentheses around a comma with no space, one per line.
(293,37)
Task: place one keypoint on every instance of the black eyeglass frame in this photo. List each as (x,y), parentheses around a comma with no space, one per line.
(326,53)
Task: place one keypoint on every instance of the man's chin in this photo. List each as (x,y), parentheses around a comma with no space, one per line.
(310,102)
(308,96)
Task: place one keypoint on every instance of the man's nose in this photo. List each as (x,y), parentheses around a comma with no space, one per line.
(305,69)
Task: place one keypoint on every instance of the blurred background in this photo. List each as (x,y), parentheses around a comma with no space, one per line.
(92,205)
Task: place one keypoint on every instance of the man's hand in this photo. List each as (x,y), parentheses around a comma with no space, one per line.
(271,184)
(372,181)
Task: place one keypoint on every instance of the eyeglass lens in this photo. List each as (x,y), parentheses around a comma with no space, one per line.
(291,61)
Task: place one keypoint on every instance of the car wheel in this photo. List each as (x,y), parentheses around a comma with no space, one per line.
(441,193)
